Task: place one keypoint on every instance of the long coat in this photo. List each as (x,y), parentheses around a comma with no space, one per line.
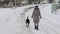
(36,15)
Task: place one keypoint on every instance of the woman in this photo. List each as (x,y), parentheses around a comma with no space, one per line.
(36,16)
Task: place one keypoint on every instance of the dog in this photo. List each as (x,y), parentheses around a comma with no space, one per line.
(27,22)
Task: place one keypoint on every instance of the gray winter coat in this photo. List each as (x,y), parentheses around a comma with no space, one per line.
(36,15)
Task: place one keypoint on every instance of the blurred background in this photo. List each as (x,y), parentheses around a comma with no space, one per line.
(18,3)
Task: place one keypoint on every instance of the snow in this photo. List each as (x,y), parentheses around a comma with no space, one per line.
(12,20)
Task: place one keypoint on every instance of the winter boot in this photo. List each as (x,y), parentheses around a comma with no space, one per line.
(36,27)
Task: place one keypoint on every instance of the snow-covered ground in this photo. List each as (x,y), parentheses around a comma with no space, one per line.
(12,21)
